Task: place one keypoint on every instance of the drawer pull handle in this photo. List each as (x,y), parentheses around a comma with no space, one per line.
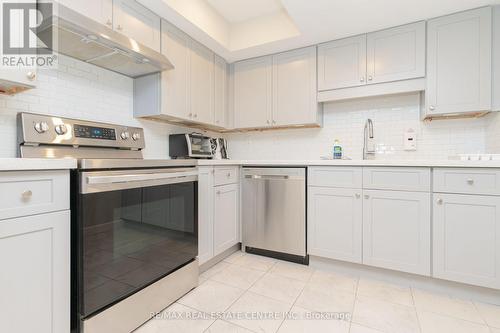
(358,195)
(218,192)
(26,195)
(367,196)
(439,201)
(470,181)
(228,175)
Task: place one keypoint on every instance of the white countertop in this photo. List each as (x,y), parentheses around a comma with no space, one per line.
(23,164)
(388,163)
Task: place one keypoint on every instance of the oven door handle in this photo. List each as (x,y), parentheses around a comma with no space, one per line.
(118,179)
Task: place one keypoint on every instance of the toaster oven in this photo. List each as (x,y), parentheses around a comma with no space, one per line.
(193,145)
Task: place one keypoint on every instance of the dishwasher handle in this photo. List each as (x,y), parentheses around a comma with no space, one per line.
(266,177)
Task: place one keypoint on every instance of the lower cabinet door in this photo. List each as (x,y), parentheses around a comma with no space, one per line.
(467,239)
(335,223)
(397,230)
(205,215)
(226,217)
(35,273)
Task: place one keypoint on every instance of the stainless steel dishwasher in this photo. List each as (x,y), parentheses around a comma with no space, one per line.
(274,213)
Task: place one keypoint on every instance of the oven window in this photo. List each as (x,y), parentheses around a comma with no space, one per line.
(131,238)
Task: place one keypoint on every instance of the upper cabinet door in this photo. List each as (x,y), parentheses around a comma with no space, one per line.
(459,63)
(294,87)
(253,92)
(396,54)
(221,91)
(342,63)
(201,83)
(137,22)
(175,82)
(98,10)
(467,239)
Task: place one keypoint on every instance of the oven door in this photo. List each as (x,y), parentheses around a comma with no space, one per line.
(133,228)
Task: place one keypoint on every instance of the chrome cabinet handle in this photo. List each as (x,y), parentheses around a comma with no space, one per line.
(228,175)
(470,181)
(195,115)
(367,196)
(26,195)
(108,22)
(218,192)
(439,201)
(370,78)
(358,195)
(119,27)
(190,115)
(362,79)
(432,108)
(268,122)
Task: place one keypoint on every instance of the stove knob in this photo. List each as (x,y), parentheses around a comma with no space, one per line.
(124,135)
(61,129)
(41,127)
(136,136)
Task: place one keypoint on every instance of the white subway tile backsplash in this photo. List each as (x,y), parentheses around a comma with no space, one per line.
(80,90)
(392,116)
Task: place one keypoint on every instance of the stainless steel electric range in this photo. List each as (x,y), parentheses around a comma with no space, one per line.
(134,221)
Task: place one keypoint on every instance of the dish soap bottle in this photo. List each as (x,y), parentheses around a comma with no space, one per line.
(337,150)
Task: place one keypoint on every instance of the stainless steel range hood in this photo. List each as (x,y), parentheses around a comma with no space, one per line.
(87,40)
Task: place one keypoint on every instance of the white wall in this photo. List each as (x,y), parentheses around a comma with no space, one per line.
(391,115)
(80,90)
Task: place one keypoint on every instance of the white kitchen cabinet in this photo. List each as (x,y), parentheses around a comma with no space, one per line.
(175,99)
(459,70)
(396,54)
(201,83)
(221,84)
(342,63)
(397,230)
(466,239)
(294,88)
(253,93)
(35,283)
(496,58)
(205,214)
(98,10)
(335,223)
(226,217)
(137,22)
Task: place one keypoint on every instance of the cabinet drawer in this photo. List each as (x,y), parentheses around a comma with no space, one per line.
(345,177)
(468,181)
(29,193)
(402,179)
(226,175)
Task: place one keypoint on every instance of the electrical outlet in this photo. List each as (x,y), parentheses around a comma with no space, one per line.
(410,140)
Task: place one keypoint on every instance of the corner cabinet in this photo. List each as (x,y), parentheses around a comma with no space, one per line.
(276,91)
(221,92)
(201,83)
(467,239)
(459,63)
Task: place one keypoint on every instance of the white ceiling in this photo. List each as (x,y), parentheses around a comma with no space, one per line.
(240,29)
(235,11)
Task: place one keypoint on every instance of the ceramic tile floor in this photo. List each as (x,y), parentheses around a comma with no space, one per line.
(247,293)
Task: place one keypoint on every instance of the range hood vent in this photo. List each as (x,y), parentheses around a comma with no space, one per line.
(84,39)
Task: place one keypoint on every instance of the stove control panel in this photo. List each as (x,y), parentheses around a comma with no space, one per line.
(91,132)
(37,129)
